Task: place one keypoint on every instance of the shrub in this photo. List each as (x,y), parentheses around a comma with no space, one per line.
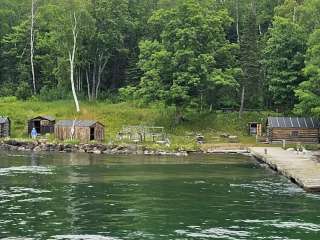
(23,91)
(127,93)
(10,99)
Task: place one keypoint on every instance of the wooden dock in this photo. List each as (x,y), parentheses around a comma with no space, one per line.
(300,168)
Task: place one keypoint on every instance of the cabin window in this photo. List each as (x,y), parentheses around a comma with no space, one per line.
(45,123)
(91,134)
(295,133)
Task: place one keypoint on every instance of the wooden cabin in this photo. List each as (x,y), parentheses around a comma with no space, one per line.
(82,130)
(293,129)
(43,124)
(5,127)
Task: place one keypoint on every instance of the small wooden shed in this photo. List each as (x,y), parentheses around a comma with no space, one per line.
(255,129)
(43,124)
(5,127)
(293,129)
(82,130)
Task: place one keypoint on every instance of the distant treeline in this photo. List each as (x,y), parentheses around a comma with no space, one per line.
(197,54)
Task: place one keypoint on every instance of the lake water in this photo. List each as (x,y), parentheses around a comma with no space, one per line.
(80,196)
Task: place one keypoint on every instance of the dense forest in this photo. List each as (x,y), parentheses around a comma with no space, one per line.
(196,54)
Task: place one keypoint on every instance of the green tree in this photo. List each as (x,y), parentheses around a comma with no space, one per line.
(189,59)
(284,61)
(249,58)
(308,92)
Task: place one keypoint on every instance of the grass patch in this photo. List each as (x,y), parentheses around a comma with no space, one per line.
(114,116)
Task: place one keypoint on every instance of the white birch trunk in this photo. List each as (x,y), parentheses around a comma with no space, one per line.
(71,59)
(93,94)
(32,46)
(101,68)
(88,85)
(242,102)
(237,23)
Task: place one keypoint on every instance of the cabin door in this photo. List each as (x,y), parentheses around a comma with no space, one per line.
(92,134)
(37,126)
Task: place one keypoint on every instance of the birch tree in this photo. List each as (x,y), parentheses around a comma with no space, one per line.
(71,60)
(33,6)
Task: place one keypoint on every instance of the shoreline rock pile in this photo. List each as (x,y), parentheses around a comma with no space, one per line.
(94,148)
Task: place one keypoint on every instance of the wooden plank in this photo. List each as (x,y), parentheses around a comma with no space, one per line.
(299,168)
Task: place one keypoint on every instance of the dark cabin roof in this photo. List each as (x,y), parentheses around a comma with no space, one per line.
(3,120)
(293,122)
(45,117)
(77,123)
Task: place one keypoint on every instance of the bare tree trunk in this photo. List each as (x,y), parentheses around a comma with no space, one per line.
(32,46)
(79,80)
(88,85)
(260,31)
(93,94)
(71,59)
(242,102)
(101,68)
(201,102)
(237,23)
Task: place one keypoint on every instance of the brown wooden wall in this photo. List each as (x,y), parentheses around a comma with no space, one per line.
(81,133)
(306,135)
(99,132)
(5,130)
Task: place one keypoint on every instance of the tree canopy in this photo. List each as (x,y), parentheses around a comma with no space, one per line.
(199,55)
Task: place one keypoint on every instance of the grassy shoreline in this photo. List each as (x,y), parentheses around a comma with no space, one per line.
(114,116)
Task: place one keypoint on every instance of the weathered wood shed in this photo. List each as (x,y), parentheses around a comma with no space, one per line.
(255,129)
(293,129)
(5,127)
(43,124)
(82,130)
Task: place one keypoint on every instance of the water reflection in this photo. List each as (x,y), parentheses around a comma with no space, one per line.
(80,196)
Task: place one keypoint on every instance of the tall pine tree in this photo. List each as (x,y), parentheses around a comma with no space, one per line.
(251,84)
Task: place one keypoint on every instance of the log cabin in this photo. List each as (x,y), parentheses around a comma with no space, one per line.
(81,130)
(293,129)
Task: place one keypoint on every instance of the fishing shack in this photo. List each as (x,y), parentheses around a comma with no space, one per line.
(42,124)
(82,130)
(5,127)
(293,129)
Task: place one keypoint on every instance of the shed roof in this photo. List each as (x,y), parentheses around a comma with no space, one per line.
(45,117)
(293,122)
(3,120)
(78,123)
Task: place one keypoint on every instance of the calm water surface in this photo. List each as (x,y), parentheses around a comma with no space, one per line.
(79,196)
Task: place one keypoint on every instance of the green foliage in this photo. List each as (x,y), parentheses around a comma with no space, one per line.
(187,54)
(10,99)
(249,56)
(284,60)
(23,91)
(189,58)
(308,92)
(127,93)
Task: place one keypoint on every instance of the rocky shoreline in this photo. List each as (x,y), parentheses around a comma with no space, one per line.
(110,149)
